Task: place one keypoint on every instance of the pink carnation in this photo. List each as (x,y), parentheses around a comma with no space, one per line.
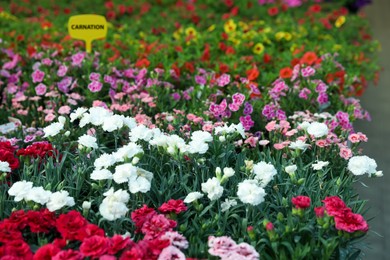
(37,76)
(40,89)
(95,86)
(351,222)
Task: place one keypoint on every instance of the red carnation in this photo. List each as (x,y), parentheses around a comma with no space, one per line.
(6,146)
(41,221)
(301,202)
(93,230)
(176,206)
(351,222)
(18,249)
(334,206)
(7,156)
(18,219)
(140,216)
(157,226)
(46,252)
(94,246)
(272,11)
(8,232)
(68,255)
(118,243)
(72,225)
(319,211)
(154,247)
(136,252)
(38,149)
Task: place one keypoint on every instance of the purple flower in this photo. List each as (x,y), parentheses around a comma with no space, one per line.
(238,98)
(37,76)
(200,80)
(248,108)
(304,93)
(269,111)
(62,71)
(64,84)
(223,80)
(77,59)
(40,89)
(95,86)
(322,98)
(176,96)
(247,122)
(94,76)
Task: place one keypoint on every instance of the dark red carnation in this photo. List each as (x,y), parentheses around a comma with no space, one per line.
(94,246)
(156,226)
(93,230)
(41,221)
(301,202)
(176,206)
(351,222)
(46,252)
(6,146)
(68,255)
(7,156)
(8,232)
(38,149)
(19,249)
(140,216)
(118,243)
(72,225)
(18,219)
(137,252)
(334,206)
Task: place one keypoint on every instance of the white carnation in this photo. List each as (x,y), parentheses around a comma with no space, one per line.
(114,204)
(227,204)
(88,141)
(124,172)
(228,172)
(290,169)
(4,167)
(129,122)
(98,115)
(198,147)
(113,123)
(298,145)
(20,190)
(304,125)
(140,181)
(78,113)
(319,165)
(127,152)
(59,200)
(213,189)
(264,172)
(250,192)
(38,195)
(192,196)
(102,174)
(360,165)
(201,136)
(104,161)
(53,129)
(318,129)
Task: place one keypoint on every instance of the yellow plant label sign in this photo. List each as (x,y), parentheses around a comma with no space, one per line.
(87,27)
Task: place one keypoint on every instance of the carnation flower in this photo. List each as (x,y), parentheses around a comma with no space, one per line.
(250,192)
(140,181)
(290,169)
(175,239)
(88,141)
(192,196)
(350,222)
(317,129)
(298,145)
(201,136)
(319,165)
(176,206)
(113,123)
(59,200)
(360,165)
(20,190)
(127,152)
(301,202)
(227,204)
(53,129)
(228,172)
(264,172)
(221,246)
(38,195)
(4,167)
(335,206)
(102,174)
(98,115)
(213,189)
(124,172)
(198,147)
(114,204)
(171,252)
(104,161)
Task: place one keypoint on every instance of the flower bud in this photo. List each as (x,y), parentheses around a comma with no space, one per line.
(86,205)
(222,138)
(135,161)
(67,133)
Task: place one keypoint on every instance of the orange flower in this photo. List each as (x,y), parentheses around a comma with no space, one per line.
(285,73)
(252,74)
(309,58)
